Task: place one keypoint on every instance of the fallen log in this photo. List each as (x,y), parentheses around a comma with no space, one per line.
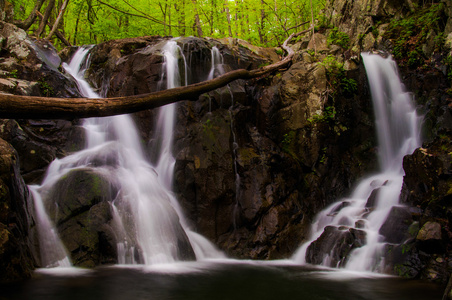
(30,107)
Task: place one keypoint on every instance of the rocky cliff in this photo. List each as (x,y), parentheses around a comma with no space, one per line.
(419,37)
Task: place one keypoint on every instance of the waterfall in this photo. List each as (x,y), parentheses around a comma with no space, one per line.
(148,223)
(217,67)
(52,251)
(358,219)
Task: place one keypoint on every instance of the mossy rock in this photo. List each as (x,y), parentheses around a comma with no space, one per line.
(78,204)
(76,193)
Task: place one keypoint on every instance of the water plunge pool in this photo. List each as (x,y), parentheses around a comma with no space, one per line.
(216,279)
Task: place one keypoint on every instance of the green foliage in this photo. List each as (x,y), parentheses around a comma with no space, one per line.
(449,92)
(289,143)
(409,34)
(13,73)
(337,78)
(349,86)
(328,114)
(264,23)
(323,23)
(45,88)
(279,51)
(337,37)
(375,32)
(332,66)
(448,63)
(207,126)
(361,38)
(324,157)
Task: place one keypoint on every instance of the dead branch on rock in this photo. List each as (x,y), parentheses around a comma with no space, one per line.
(30,107)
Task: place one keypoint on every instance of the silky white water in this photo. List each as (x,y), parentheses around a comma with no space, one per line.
(398,130)
(217,69)
(217,66)
(147,220)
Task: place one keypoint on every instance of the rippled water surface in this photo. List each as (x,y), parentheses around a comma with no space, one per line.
(216,280)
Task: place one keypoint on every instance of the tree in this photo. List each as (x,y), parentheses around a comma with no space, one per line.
(261,22)
(58,19)
(45,18)
(197,22)
(179,7)
(228,17)
(25,24)
(27,107)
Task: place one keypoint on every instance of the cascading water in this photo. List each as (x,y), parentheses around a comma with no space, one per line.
(362,215)
(217,69)
(165,166)
(147,220)
(53,253)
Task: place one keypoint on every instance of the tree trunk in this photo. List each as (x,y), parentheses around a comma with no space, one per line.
(74,40)
(197,20)
(58,19)
(228,17)
(27,107)
(169,20)
(57,33)
(262,36)
(180,11)
(163,10)
(45,18)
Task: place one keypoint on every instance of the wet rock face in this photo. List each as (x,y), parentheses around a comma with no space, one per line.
(252,168)
(395,228)
(335,244)
(32,68)
(427,185)
(17,259)
(78,207)
(252,175)
(39,142)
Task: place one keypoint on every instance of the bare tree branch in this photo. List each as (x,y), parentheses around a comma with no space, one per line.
(141,15)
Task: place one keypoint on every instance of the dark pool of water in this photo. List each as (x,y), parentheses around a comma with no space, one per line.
(216,280)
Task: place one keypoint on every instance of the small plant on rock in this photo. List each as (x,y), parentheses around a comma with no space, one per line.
(337,78)
(340,38)
(45,88)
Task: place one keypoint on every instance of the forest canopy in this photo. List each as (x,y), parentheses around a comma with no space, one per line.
(77,22)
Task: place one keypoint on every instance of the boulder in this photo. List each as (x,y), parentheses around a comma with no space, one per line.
(430,231)
(318,42)
(334,246)
(78,205)
(430,238)
(395,227)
